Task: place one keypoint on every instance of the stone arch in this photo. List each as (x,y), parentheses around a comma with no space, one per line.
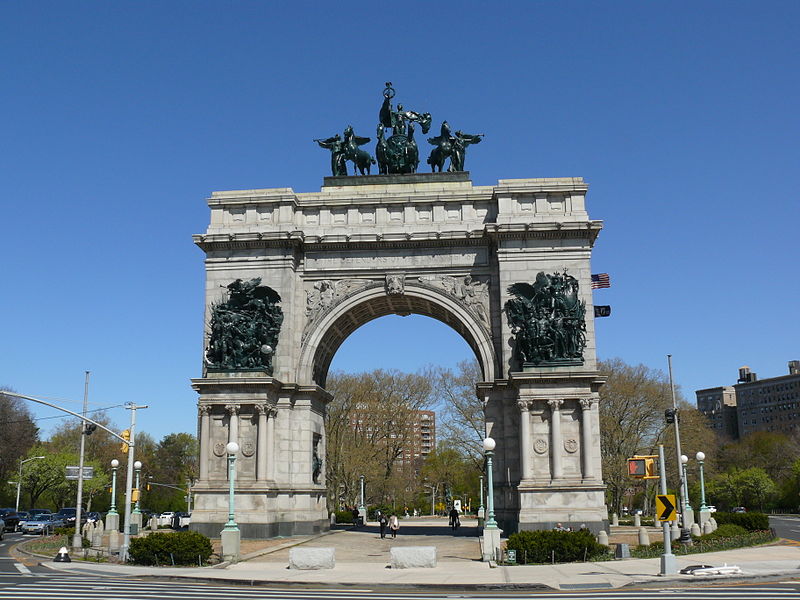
(328,334)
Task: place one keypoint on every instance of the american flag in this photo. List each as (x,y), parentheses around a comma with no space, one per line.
(600,280)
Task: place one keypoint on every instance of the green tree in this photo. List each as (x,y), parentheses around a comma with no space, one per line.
(15,416)
(174,464)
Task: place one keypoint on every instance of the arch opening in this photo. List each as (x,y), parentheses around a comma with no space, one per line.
(367,306)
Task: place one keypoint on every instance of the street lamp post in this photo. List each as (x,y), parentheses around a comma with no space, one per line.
(113,509)
(481,508)
(112,518)
(362,509)
(704,512)
(19,478)
(491,533)
(137,466)
(684,460)
(231,536)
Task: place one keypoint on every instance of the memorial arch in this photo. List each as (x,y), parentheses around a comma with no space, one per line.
(364,247)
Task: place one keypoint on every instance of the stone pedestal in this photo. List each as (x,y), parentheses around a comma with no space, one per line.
(491,544)
(136,519)
(113,541)
(703,516)
(231,542)
(112,522)
(688,517)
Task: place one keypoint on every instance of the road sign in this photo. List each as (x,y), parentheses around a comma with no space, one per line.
(665,507)
(74,472)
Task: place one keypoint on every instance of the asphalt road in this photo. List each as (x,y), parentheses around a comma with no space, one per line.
(786,526)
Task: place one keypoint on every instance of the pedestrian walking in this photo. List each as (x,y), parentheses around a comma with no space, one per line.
(394,525)
(383,521)
(455,522)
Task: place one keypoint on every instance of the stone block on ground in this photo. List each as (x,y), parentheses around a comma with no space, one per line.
(410,557)
(312,558)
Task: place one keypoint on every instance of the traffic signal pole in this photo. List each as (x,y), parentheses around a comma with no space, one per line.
(683,492)
(77,539)
(669,565)
(126,535)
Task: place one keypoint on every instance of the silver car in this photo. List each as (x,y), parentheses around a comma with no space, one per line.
(42,524)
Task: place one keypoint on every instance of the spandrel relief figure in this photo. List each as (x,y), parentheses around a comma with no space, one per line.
(474,294)
(244,328)
(547,319)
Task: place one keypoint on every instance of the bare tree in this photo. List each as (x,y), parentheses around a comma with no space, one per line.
(370,425)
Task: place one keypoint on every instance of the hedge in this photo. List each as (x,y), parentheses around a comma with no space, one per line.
(179,548)
(751,521)
(344,516)
(555,546)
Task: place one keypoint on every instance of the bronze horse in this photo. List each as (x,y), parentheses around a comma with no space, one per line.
(443,150)
(361,159)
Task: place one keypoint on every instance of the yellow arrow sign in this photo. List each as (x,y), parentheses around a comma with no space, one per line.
(665,507)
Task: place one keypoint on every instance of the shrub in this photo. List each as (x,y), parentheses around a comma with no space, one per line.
(372,510)
(726,530)
(561,546)
(752,521)
(344,516)
(63,531)
(180,548)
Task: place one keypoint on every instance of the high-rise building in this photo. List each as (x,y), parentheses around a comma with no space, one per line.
(758,404)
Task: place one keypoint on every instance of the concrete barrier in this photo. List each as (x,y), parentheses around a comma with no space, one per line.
(409,557)
(312,558)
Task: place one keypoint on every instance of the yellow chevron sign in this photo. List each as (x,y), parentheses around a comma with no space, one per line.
(665,507)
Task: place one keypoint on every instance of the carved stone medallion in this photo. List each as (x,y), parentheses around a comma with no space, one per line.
(571,445)
(219,449)
(248,449)
(540,446)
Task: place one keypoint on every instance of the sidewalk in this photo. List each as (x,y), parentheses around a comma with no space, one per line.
(362,559)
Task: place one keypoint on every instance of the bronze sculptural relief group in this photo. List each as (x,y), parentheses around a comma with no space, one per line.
(244,328)
(548,321)
(397,153)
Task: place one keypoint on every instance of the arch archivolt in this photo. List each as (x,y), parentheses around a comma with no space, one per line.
(430,296)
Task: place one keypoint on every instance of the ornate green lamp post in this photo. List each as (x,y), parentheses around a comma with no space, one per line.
(481,508)
(114,466)
(700,456)
(231,536)
(137,466)
(491,533)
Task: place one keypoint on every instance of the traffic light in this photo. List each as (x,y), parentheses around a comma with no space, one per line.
(88,428)
(642,467)
(134,495)
(147,487)
(670,415)
(126,435)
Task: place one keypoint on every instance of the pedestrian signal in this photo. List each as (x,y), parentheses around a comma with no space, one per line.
(126,435)
(642,467)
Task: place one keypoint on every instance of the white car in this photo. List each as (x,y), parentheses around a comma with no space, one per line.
(165,518)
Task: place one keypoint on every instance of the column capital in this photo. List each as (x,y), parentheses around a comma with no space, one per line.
(587,403)
(233,408)
(555,403)
(204,409)
(524,405)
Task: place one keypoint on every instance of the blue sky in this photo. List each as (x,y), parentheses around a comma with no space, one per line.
(120,119)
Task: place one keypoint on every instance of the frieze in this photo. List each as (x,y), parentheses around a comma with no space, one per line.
(471,293)
(442,257)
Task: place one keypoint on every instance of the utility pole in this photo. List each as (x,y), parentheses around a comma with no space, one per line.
(682,491)
(77,540)
(126,538)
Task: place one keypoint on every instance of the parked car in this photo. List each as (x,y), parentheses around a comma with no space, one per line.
(38,511)
(68,515)
(739,509)
(92,517)
(10,521)
(180,520)
(23,516)
(2,527)
(42,524)
(711,508)
(165,518)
